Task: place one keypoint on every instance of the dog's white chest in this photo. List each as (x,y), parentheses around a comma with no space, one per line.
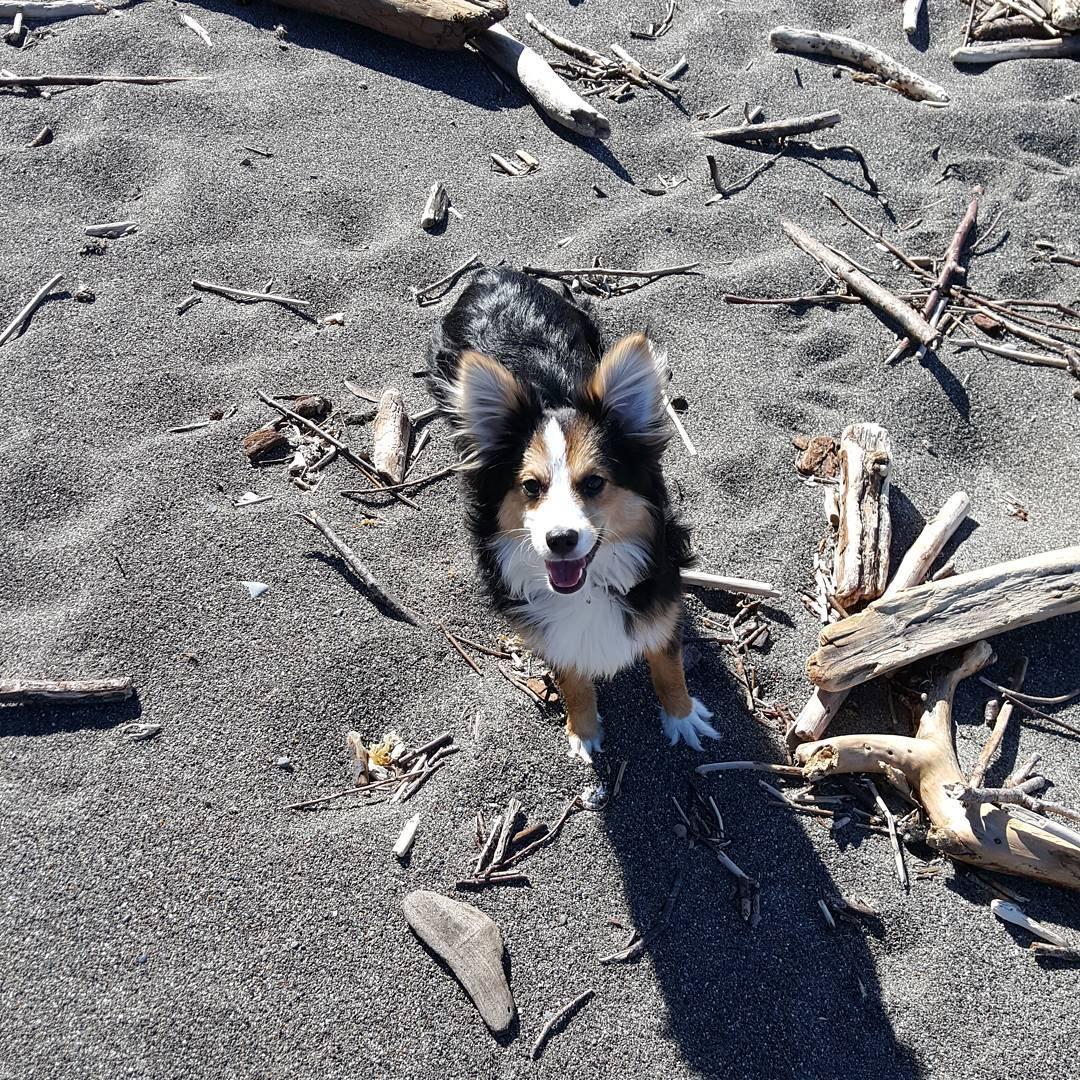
(586,631)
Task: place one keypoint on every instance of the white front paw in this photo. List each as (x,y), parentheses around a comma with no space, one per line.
(689,727)
(583,749)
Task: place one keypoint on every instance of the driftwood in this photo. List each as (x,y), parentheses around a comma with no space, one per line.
(991,837)
(890,71)
(50,9)
(550,93)
(433,24)
(472,947)
(560,1017)
(729,584)
(952,270)
(22,691)
(1059,49)
(436,207)
(914,623)
(877,296)
(1064,14)
(31,306)
(912,10)
(861,565)
(392,434)
(773,130)
(94,80)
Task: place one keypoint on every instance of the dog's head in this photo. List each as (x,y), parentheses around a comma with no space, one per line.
(579,486)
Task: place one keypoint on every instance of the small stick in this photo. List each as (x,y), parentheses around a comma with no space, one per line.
(563,1015)
(436,207)
(43,137)
(477,647)
(894,839)
(432,768)
(758,766)
(22,691)
(406,837)
(702,580)
(423,295)
(636,945)
(690,448)
(1022,772)
(354,790)
(1044,950)
(743,181)
(543,841)
(513,808)
(813,811)
(248,297)
(315,520)
(1060,48)
(94,80)
(437,743)
(1030,699)
(1001,725)
(459,650)
(193,24)
(111,230)
(1034,359)
(606,271)
(772,130)
(32,306)
(364,395)
(492,879)
(439,474)
(489,847)
(505,166)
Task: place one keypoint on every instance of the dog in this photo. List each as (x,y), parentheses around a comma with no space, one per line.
(575,536)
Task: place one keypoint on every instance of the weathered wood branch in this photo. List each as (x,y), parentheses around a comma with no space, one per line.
(983,834)
(729,584)
(432,24)
(391,437)
(892,72)
(42,10)
(877,296)
(74,691)
(823,705)
(541,83)
(773,130)
(1060,49)
(861,565)
(915,623)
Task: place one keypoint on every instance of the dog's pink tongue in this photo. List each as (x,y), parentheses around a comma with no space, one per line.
(566,574)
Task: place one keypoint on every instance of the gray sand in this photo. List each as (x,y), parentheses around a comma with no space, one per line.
(161,915)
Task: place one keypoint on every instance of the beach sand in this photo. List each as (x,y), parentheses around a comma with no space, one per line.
(161,914)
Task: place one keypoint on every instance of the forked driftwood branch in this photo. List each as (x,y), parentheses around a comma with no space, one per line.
(918,622)
(1012,841)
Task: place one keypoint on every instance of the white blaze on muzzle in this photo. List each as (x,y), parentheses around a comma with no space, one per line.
(560,511)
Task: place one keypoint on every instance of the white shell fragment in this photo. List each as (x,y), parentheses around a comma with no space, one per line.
(1009,912)
(406,837)
(255,588)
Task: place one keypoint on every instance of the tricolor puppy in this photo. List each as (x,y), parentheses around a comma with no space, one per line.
(576,538)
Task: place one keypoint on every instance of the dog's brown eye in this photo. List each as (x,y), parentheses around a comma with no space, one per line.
(592,485)
(531,488)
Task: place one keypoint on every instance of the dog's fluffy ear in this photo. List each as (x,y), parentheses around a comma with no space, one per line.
(628,386)
(486,397)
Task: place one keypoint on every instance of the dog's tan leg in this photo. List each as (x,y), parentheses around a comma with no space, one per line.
(584,728)
(682,716)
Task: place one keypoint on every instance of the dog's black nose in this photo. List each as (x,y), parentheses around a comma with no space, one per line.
(562,541)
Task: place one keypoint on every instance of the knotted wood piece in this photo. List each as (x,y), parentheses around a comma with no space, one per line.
(471,945)
(392,436)
(433,24)
(915,623)
(861,564)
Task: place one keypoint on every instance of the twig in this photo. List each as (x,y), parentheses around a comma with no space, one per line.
(656,30)
(194,24)
(34,303)
(315,520)
(440,474)
(1001,724)
(459,650)
(1059,48)
(636,946)
(690,448)
(1030,699)
(561,1016)
(772,130)
(725,192)
(436,207)
(489,847)
(1033,359)
(700,580)
(244,296)
(363,789)
(1043,950)
(423,295)
(606,271)
(757,766)
(94,80)
(894,839)
(477,647)
(543,841)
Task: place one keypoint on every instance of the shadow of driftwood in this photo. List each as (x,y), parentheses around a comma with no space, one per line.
(43,718)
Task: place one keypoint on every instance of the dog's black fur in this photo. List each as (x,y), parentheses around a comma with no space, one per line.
(552,347)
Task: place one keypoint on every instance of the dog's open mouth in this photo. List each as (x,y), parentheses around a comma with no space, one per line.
(568,575)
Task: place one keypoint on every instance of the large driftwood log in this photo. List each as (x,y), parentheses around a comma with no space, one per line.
(21,691)
(915,623)
(433,24)
(823,705)
(815,43)
(550,93)
(985,835)
(392,435)
(861,565)
(1059,49)
(877,296)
